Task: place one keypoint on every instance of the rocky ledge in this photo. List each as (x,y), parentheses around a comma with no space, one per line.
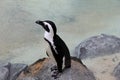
(41,71)
(11,71)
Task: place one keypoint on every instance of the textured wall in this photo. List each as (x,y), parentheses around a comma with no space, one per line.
(77,20)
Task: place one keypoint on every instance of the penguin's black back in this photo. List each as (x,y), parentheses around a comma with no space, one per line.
(60,45)
(62,50)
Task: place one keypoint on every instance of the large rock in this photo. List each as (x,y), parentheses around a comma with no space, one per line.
(78,71)
(98,46)
(11,71)
(15,70)
(4,73)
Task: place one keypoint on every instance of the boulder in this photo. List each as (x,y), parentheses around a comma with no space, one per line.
(15,70)
(41,71)
(4,73)
(98,46)
(11,71)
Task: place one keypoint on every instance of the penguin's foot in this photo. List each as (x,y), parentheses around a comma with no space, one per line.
(54,68)
(56,74)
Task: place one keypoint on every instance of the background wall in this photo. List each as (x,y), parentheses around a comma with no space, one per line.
(21,40)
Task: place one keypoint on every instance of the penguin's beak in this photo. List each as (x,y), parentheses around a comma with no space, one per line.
(39,22)
(42,24)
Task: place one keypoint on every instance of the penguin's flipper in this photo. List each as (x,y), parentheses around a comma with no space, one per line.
(47,54)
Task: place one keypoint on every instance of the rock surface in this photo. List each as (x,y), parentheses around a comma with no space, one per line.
(4,73)
(77,72)
(98,46)
(11,71)
(116,72)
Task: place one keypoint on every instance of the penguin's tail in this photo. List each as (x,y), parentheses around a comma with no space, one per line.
(67,60)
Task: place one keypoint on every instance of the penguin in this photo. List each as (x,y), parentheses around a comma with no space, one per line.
(58,47)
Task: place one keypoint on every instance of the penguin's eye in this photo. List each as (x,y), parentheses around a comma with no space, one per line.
(46,28)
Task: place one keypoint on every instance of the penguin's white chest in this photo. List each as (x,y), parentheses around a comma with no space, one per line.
(49,37)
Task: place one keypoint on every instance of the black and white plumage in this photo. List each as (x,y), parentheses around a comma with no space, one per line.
(57,45)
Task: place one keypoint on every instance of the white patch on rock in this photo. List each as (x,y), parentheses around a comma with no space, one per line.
(102,67)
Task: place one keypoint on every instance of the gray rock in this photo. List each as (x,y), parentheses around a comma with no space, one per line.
(11,71)
(15,70)
(4,73)
(98,46)
(28,78)
(116,72)
(77,72)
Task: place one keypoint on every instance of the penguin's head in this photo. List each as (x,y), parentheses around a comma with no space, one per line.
(48,26)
